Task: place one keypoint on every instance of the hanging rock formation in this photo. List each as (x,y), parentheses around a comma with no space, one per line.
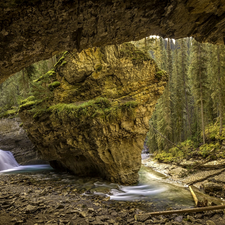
(38,29)
(92,118)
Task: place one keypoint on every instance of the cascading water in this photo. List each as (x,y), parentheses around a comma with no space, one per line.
(8,164)
(7,160)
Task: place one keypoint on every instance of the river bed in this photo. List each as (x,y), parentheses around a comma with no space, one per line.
(153,187)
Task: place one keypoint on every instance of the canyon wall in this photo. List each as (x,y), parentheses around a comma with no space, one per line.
(14,138)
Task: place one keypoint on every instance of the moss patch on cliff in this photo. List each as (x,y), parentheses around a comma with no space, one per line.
(53,85)
(61,61)
(27,103)
(9,113)
(49,75)
(99,107)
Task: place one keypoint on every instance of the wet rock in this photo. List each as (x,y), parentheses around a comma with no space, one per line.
(190,218)
(142,217)
(179,219)
(31,209)
(212,187)
(210,222)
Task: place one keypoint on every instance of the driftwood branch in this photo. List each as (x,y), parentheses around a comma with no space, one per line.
(187,210)
(198,203)
(194,196)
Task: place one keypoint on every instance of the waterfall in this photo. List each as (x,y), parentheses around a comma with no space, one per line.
(7,160)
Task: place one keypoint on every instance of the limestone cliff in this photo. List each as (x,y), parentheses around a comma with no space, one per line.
(93,111)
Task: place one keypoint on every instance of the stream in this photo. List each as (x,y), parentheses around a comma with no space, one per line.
(153,187)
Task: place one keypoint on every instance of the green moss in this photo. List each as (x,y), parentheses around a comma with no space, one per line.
(84,110)
(213,134)
(49,75)
(212,150)
(160,74)
(54,85)
(61,60)
(30,98)
(206,149)
(39,112)
(100,107)
(9,113)
(27,105)
(165,157)
(63,63)
(21,124)
(176,154)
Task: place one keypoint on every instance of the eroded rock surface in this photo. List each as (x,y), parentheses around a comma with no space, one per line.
(14,138)
(97,119)
(52,198)
(35,30)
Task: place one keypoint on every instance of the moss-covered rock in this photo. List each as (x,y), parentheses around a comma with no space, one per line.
(53,85)
(9,113)
(97,119)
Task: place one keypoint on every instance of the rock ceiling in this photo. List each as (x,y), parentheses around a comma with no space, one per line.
(34,30)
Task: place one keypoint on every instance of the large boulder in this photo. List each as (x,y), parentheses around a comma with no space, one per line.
(92,117)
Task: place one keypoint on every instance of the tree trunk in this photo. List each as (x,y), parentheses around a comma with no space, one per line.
(185,93)
(201,98)
(219,86)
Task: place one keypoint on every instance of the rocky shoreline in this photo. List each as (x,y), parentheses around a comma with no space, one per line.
(54,198)
(208,177)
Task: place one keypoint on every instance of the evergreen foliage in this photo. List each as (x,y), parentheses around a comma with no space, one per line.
(194,97)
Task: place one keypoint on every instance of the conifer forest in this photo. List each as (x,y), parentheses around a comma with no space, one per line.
(190,111)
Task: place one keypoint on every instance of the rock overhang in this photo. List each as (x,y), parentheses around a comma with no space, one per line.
(34,30)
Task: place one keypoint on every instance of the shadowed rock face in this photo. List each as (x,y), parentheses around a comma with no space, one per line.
(96,120)
(37,29)
(14,138)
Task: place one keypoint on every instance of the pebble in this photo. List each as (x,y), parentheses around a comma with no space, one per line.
(42,203)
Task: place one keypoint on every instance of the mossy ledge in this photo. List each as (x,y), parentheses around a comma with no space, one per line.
(90,115)
(100,107)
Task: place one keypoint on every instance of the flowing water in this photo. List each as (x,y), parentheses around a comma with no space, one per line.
(152,187)
(8,164)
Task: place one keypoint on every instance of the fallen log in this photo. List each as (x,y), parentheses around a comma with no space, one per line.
(187,210)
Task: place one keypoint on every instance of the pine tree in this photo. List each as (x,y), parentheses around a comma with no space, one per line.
(216,70)
(178,99)
(198,73)
(184,72)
